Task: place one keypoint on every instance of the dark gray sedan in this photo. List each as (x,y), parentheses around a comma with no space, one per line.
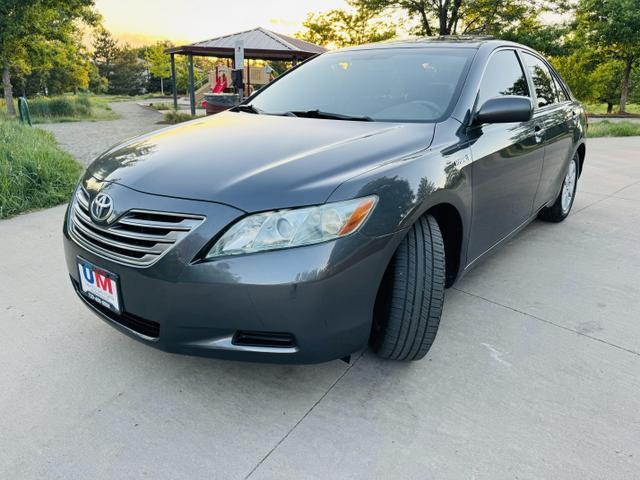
(332,208)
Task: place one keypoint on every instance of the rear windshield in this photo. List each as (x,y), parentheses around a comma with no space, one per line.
(388,84)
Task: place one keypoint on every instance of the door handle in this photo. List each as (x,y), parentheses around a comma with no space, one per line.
(539,133)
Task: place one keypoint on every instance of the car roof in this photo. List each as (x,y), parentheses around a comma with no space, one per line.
(454,41)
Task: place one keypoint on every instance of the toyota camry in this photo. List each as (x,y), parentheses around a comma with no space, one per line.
(330,210)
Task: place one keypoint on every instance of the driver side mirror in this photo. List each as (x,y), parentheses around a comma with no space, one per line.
(507,109)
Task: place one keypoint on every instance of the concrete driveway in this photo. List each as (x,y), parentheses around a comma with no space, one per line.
(535,373)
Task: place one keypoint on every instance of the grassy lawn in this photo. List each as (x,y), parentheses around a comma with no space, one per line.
(34,172)
(601,108)
(134,98)
(606,128)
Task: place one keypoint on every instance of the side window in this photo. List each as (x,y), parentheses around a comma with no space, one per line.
(503,76)
(542,80)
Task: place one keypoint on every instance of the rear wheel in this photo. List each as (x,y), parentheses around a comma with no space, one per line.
(562,206)
(410,300)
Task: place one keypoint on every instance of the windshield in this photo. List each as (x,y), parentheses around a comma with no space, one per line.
(387,84)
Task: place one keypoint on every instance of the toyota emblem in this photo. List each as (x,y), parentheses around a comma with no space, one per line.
(101,207)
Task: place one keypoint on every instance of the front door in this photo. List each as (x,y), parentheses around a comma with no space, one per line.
(507,160)
(557,115)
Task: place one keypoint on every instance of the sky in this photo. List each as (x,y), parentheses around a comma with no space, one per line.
(184,21)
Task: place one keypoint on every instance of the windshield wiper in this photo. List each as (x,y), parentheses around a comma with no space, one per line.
(247,108)
(333,116)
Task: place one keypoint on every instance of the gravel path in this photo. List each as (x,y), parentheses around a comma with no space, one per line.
(87,140)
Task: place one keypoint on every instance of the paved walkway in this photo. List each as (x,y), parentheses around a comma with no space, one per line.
(87,140)
(535,373)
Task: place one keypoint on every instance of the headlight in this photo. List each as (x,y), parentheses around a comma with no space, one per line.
(294,227)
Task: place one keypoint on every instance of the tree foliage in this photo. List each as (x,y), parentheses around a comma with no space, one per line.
(158,62)
(460,17)
(55,66)
(105,51)
(25,24)
(343,28)
(612,27)
(127,75)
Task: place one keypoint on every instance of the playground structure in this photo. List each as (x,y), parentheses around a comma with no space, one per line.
(217,92)
(257,44)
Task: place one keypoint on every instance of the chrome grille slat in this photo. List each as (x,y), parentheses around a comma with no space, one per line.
(133,239)
(113,243)
(113,255)
(170,237)
(83,198)
(135,222)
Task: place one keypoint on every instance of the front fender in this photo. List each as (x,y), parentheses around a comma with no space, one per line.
(409,187)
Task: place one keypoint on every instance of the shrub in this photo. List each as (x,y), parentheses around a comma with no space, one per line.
(34,172)
(160,106)
(172,117)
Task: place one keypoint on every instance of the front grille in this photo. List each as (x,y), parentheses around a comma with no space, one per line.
(146,328)
(138,238)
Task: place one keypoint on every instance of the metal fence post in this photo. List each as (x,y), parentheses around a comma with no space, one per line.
(23,108)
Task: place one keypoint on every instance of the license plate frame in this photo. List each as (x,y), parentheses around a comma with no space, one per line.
(99,285)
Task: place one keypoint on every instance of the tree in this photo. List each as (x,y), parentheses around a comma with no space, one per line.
(97,83)
(27,22)
(594,80)
(158,62)
(127,73)
(342,28)
(613,28)
(105,51)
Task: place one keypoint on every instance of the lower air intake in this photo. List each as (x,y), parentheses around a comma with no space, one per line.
(263,339)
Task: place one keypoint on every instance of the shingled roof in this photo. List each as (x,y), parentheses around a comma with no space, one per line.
(259,43)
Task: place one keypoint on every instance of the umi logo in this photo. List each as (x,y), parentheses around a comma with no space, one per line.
(93,277)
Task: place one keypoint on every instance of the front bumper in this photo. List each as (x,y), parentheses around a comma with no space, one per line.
(322,295)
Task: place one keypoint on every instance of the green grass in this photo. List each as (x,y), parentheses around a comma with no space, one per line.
(601,108)
(68,108)
(606,128)
(34,172)
(172,117)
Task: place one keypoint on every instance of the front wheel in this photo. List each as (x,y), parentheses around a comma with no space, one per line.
(563,203)
(409,304)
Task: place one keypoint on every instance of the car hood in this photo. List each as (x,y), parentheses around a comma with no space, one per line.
(257,162)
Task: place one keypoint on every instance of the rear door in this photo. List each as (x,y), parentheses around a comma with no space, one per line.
(507,159)
(557,116)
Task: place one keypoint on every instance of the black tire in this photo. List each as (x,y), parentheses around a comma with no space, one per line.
(410,299)
(555,213)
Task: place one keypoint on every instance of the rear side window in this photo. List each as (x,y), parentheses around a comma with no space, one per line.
(503,76)
(561,95)
(542,80)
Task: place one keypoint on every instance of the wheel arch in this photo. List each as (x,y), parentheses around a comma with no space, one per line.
(451,227)
(582,152)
